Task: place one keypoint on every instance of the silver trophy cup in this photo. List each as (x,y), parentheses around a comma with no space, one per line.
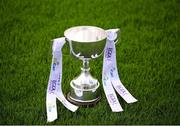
(86,43)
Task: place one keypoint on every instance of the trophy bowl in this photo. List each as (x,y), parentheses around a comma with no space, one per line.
(86,43)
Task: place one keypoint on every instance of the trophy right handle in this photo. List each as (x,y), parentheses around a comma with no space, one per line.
(116,41)
(113,34)
(116,36)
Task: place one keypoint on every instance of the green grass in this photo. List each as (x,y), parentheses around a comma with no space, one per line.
(148,58)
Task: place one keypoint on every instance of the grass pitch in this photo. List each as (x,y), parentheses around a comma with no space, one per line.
(148,59)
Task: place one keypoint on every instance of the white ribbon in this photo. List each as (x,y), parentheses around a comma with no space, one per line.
(110,79)
(54,85)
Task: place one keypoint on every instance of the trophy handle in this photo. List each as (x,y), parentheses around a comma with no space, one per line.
(116,41)
(64,54)
(114,36)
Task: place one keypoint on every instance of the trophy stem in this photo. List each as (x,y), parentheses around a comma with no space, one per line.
(85,67)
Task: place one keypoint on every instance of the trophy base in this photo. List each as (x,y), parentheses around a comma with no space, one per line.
(77,102)
(84,88)
(84,97)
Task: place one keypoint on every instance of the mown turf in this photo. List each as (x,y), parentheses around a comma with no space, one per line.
(148,58)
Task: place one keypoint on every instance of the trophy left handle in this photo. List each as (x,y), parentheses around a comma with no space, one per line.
(64,49)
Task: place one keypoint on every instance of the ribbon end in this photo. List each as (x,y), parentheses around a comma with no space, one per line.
(132,101)
(118,110)
(51,119)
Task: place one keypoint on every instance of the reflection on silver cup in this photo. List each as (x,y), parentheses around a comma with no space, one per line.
(86,42)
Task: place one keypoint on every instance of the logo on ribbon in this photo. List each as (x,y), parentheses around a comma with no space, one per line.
(108,52)
(112,72)
(55,63)
(52,86)
(112,99)
(50,107)
(122,91)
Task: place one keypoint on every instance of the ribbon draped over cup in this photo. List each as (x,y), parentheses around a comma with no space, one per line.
(110,78)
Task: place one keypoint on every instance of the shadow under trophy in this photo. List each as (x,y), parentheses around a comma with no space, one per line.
(86,43)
